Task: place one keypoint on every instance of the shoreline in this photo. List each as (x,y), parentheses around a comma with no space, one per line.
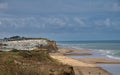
(82,67)
(84,54)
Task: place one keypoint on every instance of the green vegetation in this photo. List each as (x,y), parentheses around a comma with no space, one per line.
(15,38)
(25,62)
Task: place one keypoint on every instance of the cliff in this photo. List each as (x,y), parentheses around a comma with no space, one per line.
(51,46)
(28,44)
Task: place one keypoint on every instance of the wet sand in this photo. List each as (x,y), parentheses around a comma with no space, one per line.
(98,61)
(81,67)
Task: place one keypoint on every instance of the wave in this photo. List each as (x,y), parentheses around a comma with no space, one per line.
(113,57)
(114,54)
(107,51)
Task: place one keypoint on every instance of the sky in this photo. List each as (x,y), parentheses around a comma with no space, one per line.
(61,19)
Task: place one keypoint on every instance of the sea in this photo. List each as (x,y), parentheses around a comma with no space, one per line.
(110,49)
(105,49)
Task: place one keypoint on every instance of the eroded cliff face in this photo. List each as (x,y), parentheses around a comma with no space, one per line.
(30,44)
(51,46)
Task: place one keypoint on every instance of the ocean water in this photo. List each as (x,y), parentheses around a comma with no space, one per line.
(110,49)
(107,49)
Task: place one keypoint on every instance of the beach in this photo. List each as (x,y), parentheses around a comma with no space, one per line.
(83,65)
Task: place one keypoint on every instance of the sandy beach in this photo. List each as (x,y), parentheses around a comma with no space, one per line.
(83,66)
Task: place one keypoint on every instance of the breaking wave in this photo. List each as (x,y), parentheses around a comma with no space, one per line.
(110,50)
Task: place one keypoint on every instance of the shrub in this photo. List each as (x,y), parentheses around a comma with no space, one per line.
(14,50)
(30,63)
(25,54)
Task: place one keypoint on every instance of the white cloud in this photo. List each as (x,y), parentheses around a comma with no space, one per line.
(79,21)
(3,5)
(54,21)
(41,22)
(103,23)
(11,22)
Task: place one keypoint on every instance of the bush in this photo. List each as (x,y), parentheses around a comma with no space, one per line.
(25,54)
(30,63)
(14,50)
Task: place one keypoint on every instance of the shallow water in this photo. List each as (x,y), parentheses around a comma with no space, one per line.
(108,50)
(114,69)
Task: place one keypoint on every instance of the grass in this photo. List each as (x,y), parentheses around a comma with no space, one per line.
(25,62)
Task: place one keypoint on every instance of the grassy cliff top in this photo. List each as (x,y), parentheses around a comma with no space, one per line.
(16,38)
(17,62)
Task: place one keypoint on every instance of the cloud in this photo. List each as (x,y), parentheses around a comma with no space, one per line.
(11,22)
(3,5)
(107,22)
(33,22)
(54,21)
(79,21)
(56,24)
